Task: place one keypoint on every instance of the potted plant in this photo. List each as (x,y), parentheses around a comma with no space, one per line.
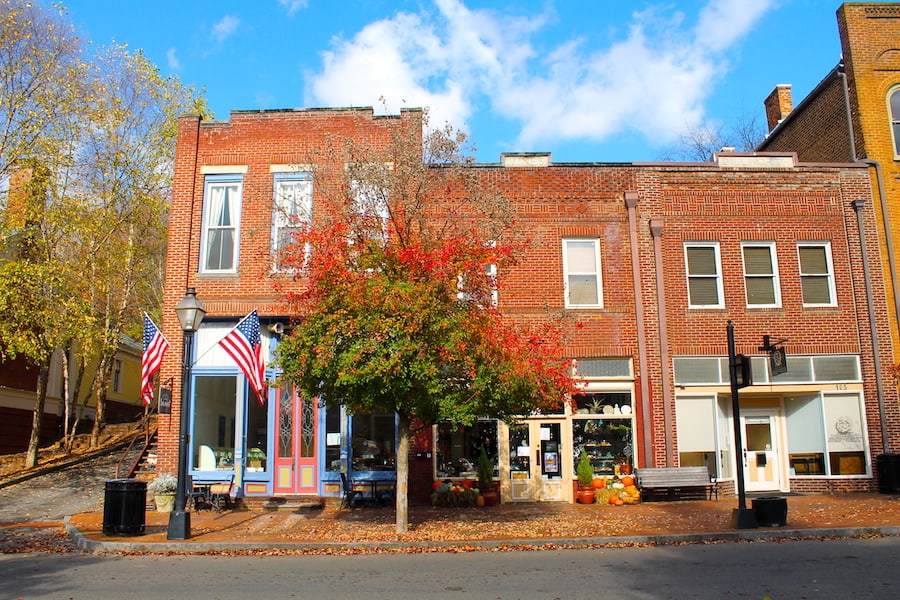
(163,490)
(485,472)
(585,473)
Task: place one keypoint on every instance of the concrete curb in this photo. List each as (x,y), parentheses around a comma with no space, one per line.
(187,547)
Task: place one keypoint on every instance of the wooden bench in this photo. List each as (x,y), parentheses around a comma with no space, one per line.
(676,480)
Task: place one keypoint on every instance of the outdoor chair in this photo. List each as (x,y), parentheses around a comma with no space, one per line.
(350,498)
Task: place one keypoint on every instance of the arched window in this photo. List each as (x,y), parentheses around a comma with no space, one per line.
(894,107)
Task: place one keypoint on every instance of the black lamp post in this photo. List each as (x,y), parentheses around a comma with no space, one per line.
(190,313)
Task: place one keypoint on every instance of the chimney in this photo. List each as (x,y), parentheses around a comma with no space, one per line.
(778,105)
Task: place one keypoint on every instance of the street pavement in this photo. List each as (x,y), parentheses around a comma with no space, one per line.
(63,511)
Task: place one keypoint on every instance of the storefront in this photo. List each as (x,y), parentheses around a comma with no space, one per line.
(807,424)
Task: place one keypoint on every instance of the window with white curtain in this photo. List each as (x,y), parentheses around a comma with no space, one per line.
(291,211)
(704,274)
(761,274)
(372,209)
(581,265)
(816,274)
(221,223)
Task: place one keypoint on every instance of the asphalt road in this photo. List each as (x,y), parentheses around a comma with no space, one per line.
(846,568)
(53,496)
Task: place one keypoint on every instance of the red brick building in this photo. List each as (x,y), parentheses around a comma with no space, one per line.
(853,115)
(652,260)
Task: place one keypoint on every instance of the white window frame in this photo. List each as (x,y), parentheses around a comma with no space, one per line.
(894,118)
(717,276)
(773,276)
(597,274)
(829,275)
(212,182)
(283,217)
(369,200)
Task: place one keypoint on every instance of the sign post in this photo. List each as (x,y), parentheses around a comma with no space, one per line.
(742,517)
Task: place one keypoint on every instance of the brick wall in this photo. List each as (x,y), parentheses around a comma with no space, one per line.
(704,202)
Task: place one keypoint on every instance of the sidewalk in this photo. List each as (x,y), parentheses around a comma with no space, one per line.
(507,526)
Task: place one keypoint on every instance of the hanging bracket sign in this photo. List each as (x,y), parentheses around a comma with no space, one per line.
(777,354)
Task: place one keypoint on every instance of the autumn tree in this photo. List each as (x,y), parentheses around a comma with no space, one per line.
(399,314)
(87,158)
(121,176)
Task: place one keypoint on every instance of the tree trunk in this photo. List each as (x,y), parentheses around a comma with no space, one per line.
(403,475)
(101,385)
(31,457)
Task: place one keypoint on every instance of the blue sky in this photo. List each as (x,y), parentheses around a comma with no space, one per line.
(588,80)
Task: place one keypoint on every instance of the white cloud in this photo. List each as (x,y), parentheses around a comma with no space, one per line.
(293,6)
(655,79)
(172,60)
(225,28)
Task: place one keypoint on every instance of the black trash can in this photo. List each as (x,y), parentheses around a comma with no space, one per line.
(888,473)
(124,507)
(770,511)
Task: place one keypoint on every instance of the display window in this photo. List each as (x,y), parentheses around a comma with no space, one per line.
(603,427)
(458,447)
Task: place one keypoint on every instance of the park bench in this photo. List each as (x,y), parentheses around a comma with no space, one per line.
(676,481)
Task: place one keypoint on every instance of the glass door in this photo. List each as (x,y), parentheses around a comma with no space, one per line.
(295,461)
(761,459)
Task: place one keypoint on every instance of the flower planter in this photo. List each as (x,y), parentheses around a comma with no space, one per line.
(586,495)
(164,502)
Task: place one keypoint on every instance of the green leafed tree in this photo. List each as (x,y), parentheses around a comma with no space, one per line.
(86,159)
(399,315)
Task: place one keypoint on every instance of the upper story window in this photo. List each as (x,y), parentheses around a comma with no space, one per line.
(816,274)
(221,223)
(761,274)
(291,211)
(581,266)
(704,274)
(894,108)
(371,205)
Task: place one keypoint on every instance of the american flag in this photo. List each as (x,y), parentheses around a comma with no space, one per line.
(244,345)
(155,346)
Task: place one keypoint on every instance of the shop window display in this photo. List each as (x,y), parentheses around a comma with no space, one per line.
(457,448)
(607,440)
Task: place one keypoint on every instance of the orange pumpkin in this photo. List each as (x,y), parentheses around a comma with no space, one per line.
(628,480)
(612,499)
(598,483)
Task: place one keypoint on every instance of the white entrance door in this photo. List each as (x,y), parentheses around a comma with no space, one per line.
(761,455)
(536,463)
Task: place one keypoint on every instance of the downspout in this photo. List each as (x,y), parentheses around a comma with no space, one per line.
(876,354)
(656,230)
(846,90)
(889,245)
(631,200)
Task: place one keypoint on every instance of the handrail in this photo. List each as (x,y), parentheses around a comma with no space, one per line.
(145,427)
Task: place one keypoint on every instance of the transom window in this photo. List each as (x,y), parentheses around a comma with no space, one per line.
(761,274)
(581,264)
(221,220)
(291,211)
(816,274)
(704,274)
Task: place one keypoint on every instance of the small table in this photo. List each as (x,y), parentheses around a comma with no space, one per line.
(376,497)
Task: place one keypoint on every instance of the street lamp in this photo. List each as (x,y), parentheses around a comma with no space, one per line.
(190,313)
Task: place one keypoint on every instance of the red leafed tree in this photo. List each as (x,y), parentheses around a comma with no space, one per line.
(399,313)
